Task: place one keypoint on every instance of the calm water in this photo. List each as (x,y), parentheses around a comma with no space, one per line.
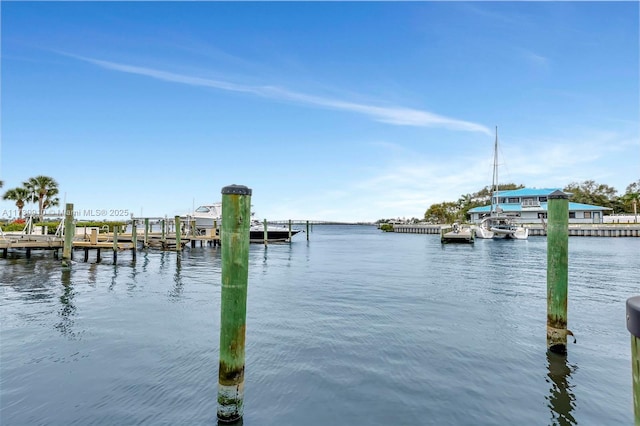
(354,327)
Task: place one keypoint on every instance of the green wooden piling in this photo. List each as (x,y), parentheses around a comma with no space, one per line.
(178,232)
(266,233)
(307,230)
(234,234)
(289,230)
(557,271)
(134,238)
(163,231)
(115,242)
(633,325)
(69,231)
(146,232)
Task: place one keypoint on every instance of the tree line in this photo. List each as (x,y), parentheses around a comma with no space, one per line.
(587,192)
(42,190)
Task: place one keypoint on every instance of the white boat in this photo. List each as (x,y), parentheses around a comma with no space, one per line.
(208,216)
(499,225)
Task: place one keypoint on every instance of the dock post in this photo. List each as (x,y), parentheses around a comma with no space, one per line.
(115,243)
(307,230)
(178,231)
(557,271)
(633,325)
(215,232)
(289,230)
(68,234)
(163,231)
(146,232)
(192,226)
(266,234)
(236,220)
(134,237)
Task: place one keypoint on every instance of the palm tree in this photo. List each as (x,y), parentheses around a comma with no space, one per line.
(19,195)
(45,189)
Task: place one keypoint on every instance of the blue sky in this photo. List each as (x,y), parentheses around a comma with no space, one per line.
(328,111)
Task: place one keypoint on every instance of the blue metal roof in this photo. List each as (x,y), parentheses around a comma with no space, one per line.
(527,192)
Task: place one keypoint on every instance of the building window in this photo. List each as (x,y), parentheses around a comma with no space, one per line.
(572,215)
(543,199)
(542,215)
(587,215)
(513,200)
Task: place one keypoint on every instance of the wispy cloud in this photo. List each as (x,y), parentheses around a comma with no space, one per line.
(400,116)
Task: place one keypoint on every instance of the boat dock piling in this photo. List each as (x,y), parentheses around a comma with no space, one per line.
(178,232)
(236,213)
(69,231)
(557,271)
(633,325)
(264,226)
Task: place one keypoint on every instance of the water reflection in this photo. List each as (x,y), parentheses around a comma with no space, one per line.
(114,278)
(68,309)
(561,400)
(176,292)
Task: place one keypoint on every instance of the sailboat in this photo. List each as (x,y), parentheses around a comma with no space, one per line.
(498,225)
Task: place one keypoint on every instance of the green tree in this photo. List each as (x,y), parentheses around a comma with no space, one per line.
(631,198)
(44,189)
(20,196)
(590,192)
(445,212)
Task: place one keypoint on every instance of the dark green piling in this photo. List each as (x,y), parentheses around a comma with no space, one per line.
(557,271)
(234,235)
(266,233)
(178,231)
(289,230)
(115,243)
(307,230)
(163,239)
(69,232)
(633,325)
(134,238)
(146,232)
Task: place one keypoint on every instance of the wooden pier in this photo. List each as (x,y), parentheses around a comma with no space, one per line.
(457,234)
(94,240)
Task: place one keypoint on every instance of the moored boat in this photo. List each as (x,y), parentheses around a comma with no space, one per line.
(499,225)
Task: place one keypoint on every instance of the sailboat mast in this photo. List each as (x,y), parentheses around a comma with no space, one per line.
(494,183)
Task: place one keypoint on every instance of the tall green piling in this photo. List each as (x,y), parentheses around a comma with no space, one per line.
(633,325)
(146,232)
(178,232)
(307,230)
(134,238)
(163,231)
(266,233)
(557,271)
(69,232)
(289,230)
(115,242)
(234,235)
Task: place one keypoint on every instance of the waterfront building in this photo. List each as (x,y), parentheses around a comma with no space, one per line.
(529,205)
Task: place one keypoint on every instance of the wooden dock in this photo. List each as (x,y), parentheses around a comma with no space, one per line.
(95,240)
(457,234)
